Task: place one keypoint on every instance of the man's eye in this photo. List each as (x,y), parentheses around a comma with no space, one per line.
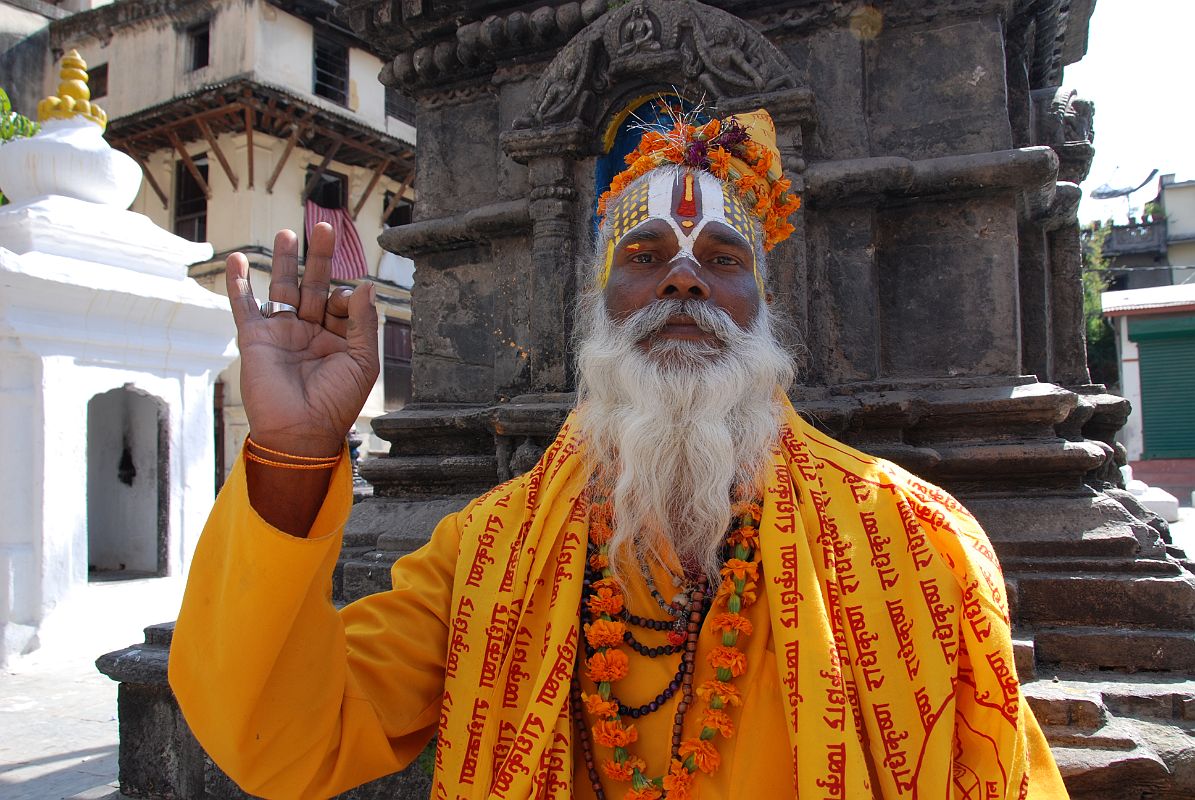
(643,258)
(726,261)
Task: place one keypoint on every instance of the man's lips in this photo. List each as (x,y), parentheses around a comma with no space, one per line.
(682,326)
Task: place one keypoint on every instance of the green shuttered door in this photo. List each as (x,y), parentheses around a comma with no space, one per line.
(1167,354)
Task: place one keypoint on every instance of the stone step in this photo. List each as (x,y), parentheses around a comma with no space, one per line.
(1135,600)
(1096,773)
(1024,658)
(1057,705)
(1087,700)
(1131,650)
(1015,565)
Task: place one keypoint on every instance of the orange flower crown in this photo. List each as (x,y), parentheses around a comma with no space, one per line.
(738,150)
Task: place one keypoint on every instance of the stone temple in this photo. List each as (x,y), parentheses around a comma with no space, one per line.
(933,283)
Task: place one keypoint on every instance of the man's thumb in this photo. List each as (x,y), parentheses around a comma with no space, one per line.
(362,334)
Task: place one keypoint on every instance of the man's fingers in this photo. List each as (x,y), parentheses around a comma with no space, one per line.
(240,290)
(313,293)
(362,335)
(284,268)
(336,316)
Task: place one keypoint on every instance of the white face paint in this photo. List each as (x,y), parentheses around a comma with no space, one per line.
(688,202)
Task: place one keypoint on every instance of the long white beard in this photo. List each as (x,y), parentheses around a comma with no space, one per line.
(676,429)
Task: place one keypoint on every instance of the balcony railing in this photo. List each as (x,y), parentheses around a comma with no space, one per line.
(1141,237)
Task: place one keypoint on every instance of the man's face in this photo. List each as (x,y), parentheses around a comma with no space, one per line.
(681,236)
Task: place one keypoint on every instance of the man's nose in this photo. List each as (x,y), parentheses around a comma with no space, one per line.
(683,281)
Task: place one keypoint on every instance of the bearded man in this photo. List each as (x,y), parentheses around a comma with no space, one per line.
(692,593)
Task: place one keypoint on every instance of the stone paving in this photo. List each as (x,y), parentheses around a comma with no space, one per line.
(58,727)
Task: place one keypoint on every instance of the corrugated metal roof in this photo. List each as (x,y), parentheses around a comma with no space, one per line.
(1153,299)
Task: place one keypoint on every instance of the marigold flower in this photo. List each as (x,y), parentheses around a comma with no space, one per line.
(599,561)
(646,793)
(726,692)
(606,601)
(746,508)
(607,665)
(738,569)
(711,129)
(719,162)
(705,755)
(719,720)
(624,771)
(605,633)
(611,733)
(598,707)
(599,529)
(730,658)
(678,781)
(747,536)
(732,622)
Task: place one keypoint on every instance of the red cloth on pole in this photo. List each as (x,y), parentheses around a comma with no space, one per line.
(348,259)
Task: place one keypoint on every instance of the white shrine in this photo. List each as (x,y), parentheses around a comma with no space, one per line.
(108,356)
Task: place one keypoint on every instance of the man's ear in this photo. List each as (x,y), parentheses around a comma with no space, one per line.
(768,297)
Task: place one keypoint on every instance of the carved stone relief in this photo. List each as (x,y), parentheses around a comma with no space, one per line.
(710,52)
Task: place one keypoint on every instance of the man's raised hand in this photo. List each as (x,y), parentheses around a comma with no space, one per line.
(304,376)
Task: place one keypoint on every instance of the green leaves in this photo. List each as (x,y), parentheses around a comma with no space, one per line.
(13,126)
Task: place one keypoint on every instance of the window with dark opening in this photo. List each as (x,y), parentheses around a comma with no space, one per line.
(331,191)
(190,203)
(396,363)
(399,106)
(199,41)
(401,215)
(97,81)
(331,70)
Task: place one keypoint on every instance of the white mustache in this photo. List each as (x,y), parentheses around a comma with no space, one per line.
(652,319)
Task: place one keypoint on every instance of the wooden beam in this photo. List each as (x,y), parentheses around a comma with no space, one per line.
(323,165)
(290,146)
(249,142)
(398,196)
(189,164)
(211,140)
(149,176)
(373,181)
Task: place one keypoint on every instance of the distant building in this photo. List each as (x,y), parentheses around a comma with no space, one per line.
(1155,340)
(247,116)
(1159,249)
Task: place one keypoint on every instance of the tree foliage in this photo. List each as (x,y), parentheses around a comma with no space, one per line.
(13,126)
(1101,336)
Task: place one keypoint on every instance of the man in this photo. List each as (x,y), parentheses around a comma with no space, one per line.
(692,593)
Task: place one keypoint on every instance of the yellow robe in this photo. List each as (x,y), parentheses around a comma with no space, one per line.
(880,662)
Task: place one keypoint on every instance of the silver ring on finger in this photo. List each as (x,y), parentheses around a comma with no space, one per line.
(271,307)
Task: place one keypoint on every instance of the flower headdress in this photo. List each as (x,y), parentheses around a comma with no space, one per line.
(739,150)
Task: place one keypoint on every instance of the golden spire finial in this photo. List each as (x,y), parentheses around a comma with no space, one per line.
(73,98)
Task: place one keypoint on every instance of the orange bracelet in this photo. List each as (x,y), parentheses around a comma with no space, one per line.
(259,460)
(314,459)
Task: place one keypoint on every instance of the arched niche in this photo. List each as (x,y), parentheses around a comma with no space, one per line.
(128,485)
(633,52)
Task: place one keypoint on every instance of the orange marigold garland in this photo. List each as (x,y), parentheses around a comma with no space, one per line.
(712,147)
(609,664)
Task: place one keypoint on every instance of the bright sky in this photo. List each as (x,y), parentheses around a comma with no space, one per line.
(1137,71)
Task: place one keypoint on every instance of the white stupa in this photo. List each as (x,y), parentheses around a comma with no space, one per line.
(108,356)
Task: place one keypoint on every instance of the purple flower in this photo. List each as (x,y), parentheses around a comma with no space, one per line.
(697,155)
